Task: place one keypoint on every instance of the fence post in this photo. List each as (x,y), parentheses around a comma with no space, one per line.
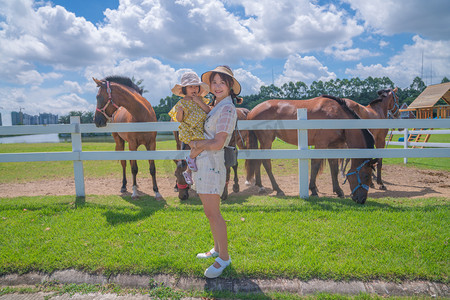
(405,144)
(78,170)
(303,165)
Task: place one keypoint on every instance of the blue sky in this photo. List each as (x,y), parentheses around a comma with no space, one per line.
(50,50)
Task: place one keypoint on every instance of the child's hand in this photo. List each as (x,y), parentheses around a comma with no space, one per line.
(180,108)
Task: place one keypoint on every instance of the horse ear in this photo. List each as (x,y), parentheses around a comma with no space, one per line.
(98,82)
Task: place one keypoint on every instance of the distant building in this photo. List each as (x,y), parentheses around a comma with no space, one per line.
(46,118)
(1,124)
(16,118)
(19,118)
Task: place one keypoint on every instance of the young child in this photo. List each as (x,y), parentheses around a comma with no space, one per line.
(191,112)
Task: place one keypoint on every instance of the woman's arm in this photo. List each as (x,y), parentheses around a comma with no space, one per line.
(214,144)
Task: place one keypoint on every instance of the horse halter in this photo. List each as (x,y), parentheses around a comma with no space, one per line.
(391,113)
(364,186)
(103,110)
(182,186)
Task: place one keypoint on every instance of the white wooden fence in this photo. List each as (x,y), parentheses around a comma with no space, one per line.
(303,153)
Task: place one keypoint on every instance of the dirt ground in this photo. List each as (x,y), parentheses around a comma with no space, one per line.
(400,181)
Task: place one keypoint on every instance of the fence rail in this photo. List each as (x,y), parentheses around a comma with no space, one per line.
(303,153)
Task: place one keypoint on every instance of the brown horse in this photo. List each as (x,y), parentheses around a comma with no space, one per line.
(238,138)
(119,100)
(385,106)
(317,108)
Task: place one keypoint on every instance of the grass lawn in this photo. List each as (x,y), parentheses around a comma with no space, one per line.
(325,238)
(391,239)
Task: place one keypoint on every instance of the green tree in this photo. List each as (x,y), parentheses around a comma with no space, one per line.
(85,117)
(139,84)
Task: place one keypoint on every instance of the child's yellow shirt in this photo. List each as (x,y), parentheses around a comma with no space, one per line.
(191,128)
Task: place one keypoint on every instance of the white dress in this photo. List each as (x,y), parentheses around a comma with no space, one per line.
(211,175)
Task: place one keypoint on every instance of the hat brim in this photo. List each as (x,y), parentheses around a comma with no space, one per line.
(206,77)
(178,89)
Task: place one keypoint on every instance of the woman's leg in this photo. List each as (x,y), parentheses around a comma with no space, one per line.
(211,207)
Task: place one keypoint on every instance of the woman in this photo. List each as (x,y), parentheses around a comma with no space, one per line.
(210,178)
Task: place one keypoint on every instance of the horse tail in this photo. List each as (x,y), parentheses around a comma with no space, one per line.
(250,164)
(368,136)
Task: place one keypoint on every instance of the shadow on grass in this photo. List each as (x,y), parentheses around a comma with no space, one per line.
(143,207)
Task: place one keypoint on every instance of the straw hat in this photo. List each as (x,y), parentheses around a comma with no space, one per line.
(190,78)
(224,70)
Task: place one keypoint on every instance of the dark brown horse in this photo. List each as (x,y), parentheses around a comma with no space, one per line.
(317,108)
(119,100)
(238,138)
(385,106)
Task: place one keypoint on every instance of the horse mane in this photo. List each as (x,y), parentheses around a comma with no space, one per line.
(124,81)
(368,137)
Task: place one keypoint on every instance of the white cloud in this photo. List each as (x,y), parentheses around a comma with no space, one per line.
(427,18)
(349,54)
(383,44)
(405,66)
(250,84)
(73,87)
(306,69)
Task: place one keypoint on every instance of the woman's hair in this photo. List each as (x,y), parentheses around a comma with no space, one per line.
(229,82)
(184,92)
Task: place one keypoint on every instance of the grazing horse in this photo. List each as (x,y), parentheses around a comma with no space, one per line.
(119,100)
(238,138)
(317,108)
(385,106)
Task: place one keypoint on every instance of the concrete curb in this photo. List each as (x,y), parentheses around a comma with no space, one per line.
(245,285)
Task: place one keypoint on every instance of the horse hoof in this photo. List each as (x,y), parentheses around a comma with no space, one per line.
(383,188)
(261,190)
(134,197)
(158,196)
(236,188)
(373,186)
(123,190)
(340,194)
(280,194)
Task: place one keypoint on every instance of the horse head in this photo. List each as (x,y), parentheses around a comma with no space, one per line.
(360,178)
(104,111)
(183,187)
(393,102)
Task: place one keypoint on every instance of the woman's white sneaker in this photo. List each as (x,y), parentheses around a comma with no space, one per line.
(212,253)
(213,272)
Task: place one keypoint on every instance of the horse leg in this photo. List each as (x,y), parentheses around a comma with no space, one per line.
(120,146)
(134,171)
(315,167)
(267,163)
(344,163)
(152,169)
(334,170)
(266,143)
(257,168)
(236,180)
(224,195)
(379,181)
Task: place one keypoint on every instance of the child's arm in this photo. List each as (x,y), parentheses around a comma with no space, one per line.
(199,100)
(180,113)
